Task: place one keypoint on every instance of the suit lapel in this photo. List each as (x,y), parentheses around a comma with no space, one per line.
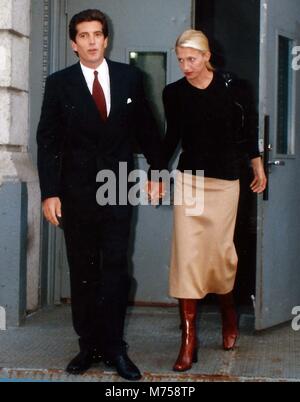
(116,88)
(82,99)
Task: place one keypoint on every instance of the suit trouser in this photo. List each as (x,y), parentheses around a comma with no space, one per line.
(97,245)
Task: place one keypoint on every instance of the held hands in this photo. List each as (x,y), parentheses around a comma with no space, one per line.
(156,191)
(259,182)
(52,210)
(52,206)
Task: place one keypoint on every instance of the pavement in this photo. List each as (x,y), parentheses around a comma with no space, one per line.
(41,349)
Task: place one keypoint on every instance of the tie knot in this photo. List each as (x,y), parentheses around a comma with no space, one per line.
(96,74)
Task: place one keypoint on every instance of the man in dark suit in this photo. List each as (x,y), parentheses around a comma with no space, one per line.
(92,114)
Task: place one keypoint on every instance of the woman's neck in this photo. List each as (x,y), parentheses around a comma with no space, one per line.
(203,80)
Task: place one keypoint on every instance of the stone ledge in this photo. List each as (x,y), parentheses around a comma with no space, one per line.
(14,61)
(14,111)
(17,167)
(15,16)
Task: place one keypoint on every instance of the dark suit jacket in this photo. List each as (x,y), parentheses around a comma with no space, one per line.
(74,143)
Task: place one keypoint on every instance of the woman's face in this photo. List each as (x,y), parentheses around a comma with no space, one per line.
(192,62)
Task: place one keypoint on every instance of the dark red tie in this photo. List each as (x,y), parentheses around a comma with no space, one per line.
(99,97)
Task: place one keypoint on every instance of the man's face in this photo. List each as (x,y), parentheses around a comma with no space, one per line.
(90,43)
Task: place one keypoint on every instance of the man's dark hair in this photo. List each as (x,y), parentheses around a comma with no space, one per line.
(87,16)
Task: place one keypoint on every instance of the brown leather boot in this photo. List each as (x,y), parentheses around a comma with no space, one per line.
(188,351)
(229,321)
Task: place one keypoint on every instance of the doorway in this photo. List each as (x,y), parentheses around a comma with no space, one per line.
(252,39)
(143,33)
(256,40)
(136,42)
(233,28)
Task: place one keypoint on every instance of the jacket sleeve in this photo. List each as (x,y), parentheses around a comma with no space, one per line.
(49,141)
(172,137)
(145,128)
(244,97)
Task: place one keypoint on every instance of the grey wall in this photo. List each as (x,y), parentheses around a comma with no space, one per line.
(13,245)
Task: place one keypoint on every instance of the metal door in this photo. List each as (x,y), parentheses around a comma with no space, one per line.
(147,29)
(278,278)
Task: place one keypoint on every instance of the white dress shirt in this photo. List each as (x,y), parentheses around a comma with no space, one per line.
(103,76)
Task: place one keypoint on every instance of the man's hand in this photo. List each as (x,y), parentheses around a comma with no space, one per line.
(259,183)
(52,210)
(155,191)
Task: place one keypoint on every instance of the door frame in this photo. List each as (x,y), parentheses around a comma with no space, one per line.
(55,51)
(260,202)
(260,323)
(54,22)
(55,12)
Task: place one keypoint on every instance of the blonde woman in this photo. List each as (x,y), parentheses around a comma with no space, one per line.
(202,113)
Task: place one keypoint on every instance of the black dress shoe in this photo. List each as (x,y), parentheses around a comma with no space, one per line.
(83,361)
(125,367)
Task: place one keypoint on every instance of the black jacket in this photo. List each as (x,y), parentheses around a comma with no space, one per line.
(74,143)
(217,127)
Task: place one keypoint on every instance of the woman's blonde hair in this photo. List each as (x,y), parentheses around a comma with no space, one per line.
(195,40)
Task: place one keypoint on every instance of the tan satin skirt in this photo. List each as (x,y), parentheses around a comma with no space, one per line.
(203,258)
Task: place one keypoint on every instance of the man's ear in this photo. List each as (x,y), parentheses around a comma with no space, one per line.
(106,43)
(74,46)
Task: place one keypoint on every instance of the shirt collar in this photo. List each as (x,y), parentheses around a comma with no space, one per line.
(90,71)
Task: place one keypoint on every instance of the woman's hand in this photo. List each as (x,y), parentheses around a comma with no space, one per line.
(156,191)
(259,182)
